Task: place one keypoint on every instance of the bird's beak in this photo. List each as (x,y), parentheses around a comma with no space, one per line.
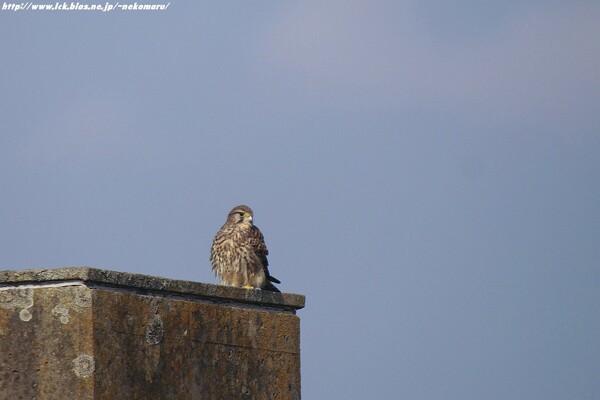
(249,217)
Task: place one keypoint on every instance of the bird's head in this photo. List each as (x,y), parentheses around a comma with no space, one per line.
(241,215)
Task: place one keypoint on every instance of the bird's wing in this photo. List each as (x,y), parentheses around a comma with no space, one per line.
(257,240)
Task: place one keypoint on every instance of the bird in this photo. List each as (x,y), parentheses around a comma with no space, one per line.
(239,254)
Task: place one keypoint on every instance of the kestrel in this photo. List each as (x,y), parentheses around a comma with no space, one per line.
(239,255)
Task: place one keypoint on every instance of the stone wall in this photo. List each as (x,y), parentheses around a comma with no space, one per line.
(85,333)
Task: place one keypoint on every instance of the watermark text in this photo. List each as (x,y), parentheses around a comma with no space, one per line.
(78,6)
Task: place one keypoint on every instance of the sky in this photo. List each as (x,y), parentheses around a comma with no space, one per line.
(426,174)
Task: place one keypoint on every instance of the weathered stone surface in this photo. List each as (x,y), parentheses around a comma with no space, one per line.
(45,338)
(84,333)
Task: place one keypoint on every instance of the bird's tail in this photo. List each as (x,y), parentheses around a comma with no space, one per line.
(269,286)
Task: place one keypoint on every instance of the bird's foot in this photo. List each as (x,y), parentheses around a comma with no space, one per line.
(248,287)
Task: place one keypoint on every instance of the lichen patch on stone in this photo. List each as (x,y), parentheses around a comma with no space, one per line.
(15,298)
(155,331)
(25,315)
(83,298)
(83,366)
(62,313)
(72,305)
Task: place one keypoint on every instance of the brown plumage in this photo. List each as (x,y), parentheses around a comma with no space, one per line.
(239,255)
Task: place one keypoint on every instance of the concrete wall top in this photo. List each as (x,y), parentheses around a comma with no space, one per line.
(94,277)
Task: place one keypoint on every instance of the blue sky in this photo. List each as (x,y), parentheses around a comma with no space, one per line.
(427,175)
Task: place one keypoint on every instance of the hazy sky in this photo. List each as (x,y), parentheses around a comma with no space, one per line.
(427,175)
